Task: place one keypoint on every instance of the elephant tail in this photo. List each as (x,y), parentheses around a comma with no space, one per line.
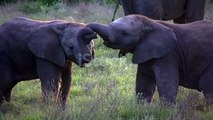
(116,8)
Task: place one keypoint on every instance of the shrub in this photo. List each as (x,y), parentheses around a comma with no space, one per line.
(6,1)
(29,7)
(47,2)
(13,1)
(52,2)
(99,1)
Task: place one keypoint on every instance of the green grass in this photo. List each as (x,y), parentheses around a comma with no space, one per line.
(102,91)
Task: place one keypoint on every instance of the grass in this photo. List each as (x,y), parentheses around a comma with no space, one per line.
(103,90)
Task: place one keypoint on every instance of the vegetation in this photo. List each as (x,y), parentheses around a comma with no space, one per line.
(52,2)
(104,89)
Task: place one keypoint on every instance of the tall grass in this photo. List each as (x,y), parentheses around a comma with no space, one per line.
(102,91)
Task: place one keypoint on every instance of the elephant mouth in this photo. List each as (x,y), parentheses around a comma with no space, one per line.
(80,59)
(106,44)
(83,61)
(122,53)
(111,45)
(77,61)
(82,65)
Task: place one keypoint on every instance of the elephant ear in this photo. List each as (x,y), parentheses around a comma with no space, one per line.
(44,43)
(158,41)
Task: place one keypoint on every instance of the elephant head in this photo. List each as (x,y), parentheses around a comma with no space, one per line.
(145,38)
(61,41)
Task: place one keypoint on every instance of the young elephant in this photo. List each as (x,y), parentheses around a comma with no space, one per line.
(168,55)
(31,49)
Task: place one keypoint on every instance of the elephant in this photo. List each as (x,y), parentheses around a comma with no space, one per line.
(167,55)
(180,11)
(31,49)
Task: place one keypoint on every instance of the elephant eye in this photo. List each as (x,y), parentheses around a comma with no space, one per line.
(71,47)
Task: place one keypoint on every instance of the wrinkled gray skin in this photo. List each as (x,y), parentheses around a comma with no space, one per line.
(181,11)
(168,55)
(31,49)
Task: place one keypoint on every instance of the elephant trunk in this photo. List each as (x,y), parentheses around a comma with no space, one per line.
(86,34)
(101,29)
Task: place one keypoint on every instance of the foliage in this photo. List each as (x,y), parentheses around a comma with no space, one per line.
(51,2)
(14,1)
(29,8)
(90,1)
(5,1)
(47,2)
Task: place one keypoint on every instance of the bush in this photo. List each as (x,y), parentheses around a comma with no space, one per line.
(51,2)
(29,7)
(13,1)
(47,2)
(99,1)
(6,1)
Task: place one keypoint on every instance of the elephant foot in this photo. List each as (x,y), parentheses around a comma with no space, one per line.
(141,99)
(209,102)
(1,99)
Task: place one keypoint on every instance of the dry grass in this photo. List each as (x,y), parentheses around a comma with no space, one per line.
(8,12)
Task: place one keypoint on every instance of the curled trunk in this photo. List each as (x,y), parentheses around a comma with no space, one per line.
(102,30)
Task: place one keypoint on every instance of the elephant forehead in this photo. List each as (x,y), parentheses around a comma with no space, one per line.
(126,23)
(70,36)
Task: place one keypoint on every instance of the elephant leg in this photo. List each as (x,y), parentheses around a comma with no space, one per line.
(65,86)
(7,95)
(8,91)
(181,19)
(195,10)
(206,85)
(167,78)
(148,8)
(6,73)
(1,99)
(127,7)
(50,76)
(145,83)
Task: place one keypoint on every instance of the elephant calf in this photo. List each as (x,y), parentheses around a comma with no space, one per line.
(168,55)
(31,49)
